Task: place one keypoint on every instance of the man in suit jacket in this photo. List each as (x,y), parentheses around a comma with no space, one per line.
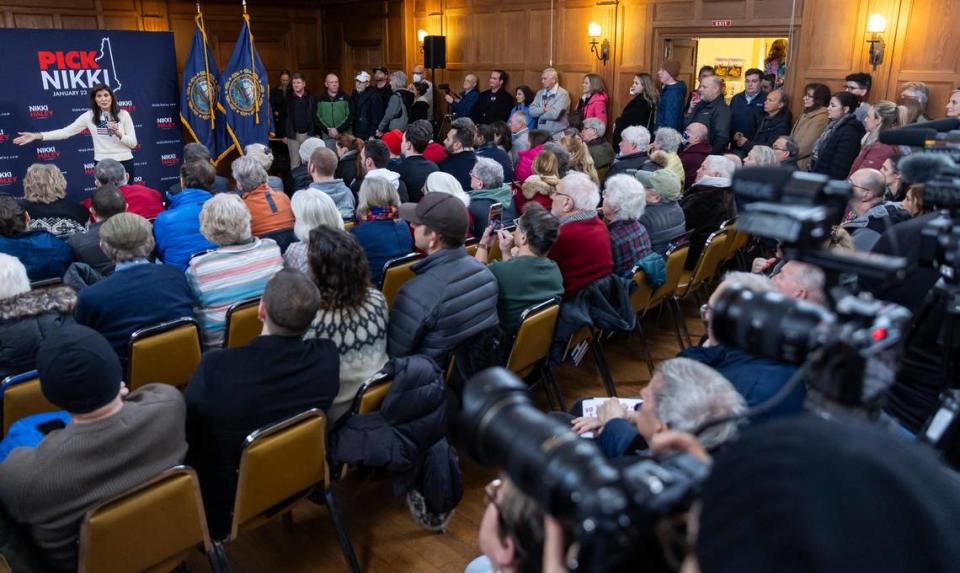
(239,390)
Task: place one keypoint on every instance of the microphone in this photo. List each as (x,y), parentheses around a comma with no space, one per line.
(945,124)
(909,136)
(105,116)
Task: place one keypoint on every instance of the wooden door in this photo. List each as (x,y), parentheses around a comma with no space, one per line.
(684,50)
(361,56)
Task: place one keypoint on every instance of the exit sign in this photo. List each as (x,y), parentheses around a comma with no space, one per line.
(722,23)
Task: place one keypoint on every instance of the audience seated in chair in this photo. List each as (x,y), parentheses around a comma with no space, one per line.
(107,201)
(352,313)
(486,188)
(312,208)
(582,249)
(756,378)
(697,149)
(375,159)
(269,210)
(525,276)
(141,200)
(239,390)
(43,254)
(663,218)
(45,199)
(681,395)
(199,152)
(708,203)
(239,269)
(139,293)
(28,317)
(301,175)
(114,442)
(379,229)
(624,201)
(460,154)
(453,296)
(415,168)
(633,151)
(177,230)
(323,166)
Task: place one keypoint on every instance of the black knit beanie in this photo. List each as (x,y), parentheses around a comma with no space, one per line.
(810,495)
(79,370)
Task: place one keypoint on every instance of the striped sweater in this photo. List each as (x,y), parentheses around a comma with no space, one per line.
(226,276)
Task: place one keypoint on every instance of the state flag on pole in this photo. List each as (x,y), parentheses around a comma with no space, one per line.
(243,94)
(199,112)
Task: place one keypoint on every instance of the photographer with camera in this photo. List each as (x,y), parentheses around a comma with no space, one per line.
(462,104)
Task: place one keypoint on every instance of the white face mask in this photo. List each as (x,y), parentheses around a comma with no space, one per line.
(418,77)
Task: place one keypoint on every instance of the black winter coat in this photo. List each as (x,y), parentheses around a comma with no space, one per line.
(366,109)
(704,208)
(841,148)
(407,436)
(638,161)
(414,171)
(26,320)
(452,298)
(638,111)
(716,115)
(769,129)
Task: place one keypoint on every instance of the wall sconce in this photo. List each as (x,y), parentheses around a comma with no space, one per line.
(876,26)
(421,34)
(603,52)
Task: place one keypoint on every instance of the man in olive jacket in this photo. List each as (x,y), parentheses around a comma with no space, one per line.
(453,296)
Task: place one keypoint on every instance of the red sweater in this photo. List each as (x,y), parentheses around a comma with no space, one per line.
(141,200)
(583,253)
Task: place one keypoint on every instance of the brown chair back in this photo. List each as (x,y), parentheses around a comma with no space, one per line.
(532,344)
(153,527)
(279,465)
(347,225)
(640,297)
(371,393)
(22,397)
(168,353)
(471,245)
(395,273)
(676,258)
(714,251)
(243,324)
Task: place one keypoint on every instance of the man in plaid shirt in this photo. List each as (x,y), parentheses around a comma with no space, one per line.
(623,203)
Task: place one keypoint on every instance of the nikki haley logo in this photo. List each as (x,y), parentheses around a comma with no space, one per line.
(7,178)
(47,153)
(4,136)
(163,123)
(42,111)
(168,159)
(126,104)
(78,69)
(89,168)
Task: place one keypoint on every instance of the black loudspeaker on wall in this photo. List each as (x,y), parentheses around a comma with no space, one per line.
(435,52)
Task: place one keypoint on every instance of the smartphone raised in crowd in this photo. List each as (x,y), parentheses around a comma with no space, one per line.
(496,216)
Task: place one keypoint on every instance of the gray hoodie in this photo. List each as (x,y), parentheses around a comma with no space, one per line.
(867,228)
(340,193)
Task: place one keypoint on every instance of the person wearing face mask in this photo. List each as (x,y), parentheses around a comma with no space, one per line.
(366,107)
(640,110)
(672,94)
(713,112)
(420,75)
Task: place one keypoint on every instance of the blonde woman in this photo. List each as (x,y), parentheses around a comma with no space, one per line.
(44,199)
(640,110)
(546,167)
(580,158)
(881,116)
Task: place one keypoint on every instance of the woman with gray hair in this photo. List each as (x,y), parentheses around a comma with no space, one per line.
(237,270)
(624,201)
(264,155)
(760,156)
(270,212)
(396,116)
(312,208)
(488,188)
(665,151)
(139,293)
(27,317)
(44,199)
(379,229)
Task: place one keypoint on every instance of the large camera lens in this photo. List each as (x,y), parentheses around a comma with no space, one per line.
(768,324)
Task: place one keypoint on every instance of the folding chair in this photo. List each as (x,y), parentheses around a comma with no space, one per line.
(371,393)
(347,225)
(167,353)
(395,273)
(280,465)
(152,527)
(531,347)
(471,245)
(243,324)
(46,283)
(592,336)
(676,258)
(691,281)
(22,397)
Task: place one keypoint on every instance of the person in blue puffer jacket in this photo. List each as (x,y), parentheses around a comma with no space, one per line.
(177,230)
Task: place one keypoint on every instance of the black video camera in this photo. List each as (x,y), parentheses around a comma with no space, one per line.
(613,511)
(444,87)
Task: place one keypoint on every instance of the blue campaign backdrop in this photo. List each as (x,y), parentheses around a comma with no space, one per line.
(49,74)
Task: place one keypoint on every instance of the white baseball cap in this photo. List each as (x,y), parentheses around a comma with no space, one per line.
(362,76)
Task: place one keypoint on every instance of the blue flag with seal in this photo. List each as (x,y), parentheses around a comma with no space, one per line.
(199,97)
(243,91)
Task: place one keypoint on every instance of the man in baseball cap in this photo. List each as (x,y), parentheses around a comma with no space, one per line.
(112,443)
(453,296)
(366,105)
(663,216)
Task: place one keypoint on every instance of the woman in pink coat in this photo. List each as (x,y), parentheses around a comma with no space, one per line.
(593,102)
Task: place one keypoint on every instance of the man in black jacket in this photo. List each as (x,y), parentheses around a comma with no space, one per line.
(453,296)
(774,124)
(415,168)
(366,107)
(713,112)
(301,117)
(634,141)
(460,155)
(239,390)
(495,103)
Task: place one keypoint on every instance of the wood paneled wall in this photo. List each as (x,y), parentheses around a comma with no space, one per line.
(312,37)
(829,39)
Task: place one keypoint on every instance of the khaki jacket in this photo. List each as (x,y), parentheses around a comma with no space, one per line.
(806,131)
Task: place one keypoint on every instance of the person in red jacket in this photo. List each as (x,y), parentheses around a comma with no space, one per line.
(582,250)
(141,200)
